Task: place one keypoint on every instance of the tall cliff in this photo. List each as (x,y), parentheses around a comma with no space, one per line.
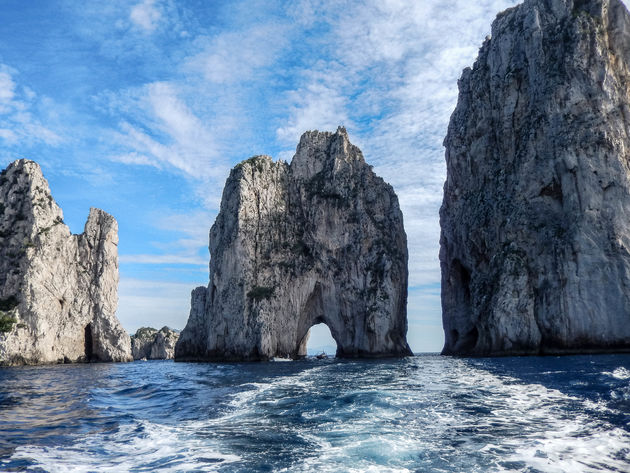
(535,244)
(319,240)
(58,291)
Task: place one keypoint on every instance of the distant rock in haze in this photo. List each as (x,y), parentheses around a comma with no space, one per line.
(319,240)
(151,344)
(535,246)
(58,291)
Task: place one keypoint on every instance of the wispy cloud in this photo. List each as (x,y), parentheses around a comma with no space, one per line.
(167,134)
(389,73)
(167,96)
(201,120)
(152,303)
(146,15)
(166,258)
(7,89)
(20,113)
(319,104)
(382,69)
(233,57)
(189,250)
(135,34)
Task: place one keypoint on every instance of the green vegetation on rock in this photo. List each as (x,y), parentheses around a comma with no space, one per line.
(6,322)
(260,292)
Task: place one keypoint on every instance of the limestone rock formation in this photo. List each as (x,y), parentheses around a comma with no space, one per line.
(58,291)
(319,240)
(151,344)
(535,245)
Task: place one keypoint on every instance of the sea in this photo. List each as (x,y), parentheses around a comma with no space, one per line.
(427,413)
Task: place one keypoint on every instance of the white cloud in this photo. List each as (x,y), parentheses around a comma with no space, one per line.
(135,158)
(7,89)
(146,15)
(162,258)
(8,135)
(20,124)
(410,55)
(198,122)
(235,56)
(387,70)
(170,135)
(318,105)
(158,303)
(383,69)
(155,304)
(183,251)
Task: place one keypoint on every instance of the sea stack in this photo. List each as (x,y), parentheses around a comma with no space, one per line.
(535,244)
(58,291)
(151,344)
(294,245)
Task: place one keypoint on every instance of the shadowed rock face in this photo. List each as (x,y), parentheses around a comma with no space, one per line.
(535,245)
(319,240)
(58,291)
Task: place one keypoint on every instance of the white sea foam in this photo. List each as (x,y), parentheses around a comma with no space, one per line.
(559,433)
(619,373)
(141,447)
(526,426)
(434,415)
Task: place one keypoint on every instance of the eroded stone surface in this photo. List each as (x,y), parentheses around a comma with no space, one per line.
(536,213)
(319,240)
(58,291)
(151,344)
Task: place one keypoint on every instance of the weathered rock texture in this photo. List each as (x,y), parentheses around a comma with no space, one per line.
(536,213)
(151,344)
(319,240)
(58,291)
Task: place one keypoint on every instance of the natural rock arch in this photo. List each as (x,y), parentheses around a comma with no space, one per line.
(321,239)
(306,340)
(314,313)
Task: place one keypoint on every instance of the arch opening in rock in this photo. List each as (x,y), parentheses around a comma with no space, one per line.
(319,340)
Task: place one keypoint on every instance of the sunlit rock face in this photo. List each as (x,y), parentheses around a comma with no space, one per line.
(151,344)
(535,244)
(319,240)
(58,291)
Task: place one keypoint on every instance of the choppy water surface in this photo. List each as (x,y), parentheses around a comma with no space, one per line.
(428,413)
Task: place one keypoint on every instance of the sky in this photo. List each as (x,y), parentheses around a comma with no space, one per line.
(141,107)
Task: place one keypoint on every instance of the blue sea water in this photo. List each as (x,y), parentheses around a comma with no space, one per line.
(423,414)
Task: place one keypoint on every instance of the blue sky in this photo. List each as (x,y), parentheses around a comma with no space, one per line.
(141,108)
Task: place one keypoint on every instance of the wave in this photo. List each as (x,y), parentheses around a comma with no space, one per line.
(140,447)
(427,413)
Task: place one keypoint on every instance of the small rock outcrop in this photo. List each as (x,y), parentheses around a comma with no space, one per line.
(151,344)
(58,291)
(535,245)
(319,240)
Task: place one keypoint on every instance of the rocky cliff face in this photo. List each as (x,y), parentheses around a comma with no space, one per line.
(319,240)
(58,291)
(151,344)
(535,246)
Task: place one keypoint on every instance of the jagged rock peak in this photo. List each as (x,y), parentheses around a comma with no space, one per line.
(151,344)
(535,244)
(58,291)
(319,240)
(317,150)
